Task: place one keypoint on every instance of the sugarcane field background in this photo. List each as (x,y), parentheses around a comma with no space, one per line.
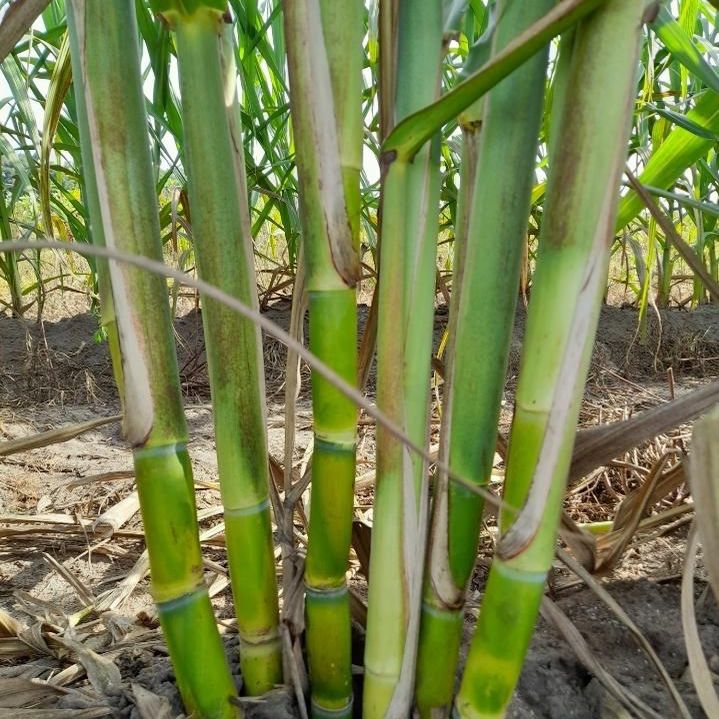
(359,359)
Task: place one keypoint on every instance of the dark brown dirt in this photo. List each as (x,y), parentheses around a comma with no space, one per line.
(555,685)
(63,361)
(57,373)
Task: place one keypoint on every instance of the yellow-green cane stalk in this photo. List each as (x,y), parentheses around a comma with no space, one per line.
(487,263)
(105,57)
(326,91)
(404,345)
(587,161)
(223,250)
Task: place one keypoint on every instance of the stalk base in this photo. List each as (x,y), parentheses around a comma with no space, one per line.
(500,642)
(203,677)
(437,659)
(253,588)
(330,652)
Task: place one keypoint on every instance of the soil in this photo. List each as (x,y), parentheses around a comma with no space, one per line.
(52,563)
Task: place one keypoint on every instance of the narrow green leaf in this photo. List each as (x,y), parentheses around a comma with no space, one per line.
(683,49)
(709,208)
(685,123)
(680,150)
(59,85)
(410,134)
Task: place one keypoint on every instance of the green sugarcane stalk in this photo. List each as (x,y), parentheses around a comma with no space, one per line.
(404,345)
(487,275)
(326,90)
(105,57)
(579,221)
(223,248)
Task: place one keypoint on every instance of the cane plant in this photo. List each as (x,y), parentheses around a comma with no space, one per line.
(61,78)
(593,119)
(221,229)
(409,228)
(500,145)
(107,70)
(325,86)
(510,103)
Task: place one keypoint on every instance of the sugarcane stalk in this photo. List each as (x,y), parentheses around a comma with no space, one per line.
(223,250)
(579,221)
(487,263)
(326,90)
(105,56)
(404,345)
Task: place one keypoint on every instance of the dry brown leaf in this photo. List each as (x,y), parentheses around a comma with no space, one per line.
(17,21)
(362,544)
(9,626)
(67,676)
(82,591)
(14,648)
(209,512)
(582,543)
(54,436)
(37,639)
(610,549)
(46,612)
(277,472)
(118,595)
(150,705)
(41,518)
(284,509)
(689,256)
(295,667)
(103,674)
(118,515)
(117,624)
(358,609)
(599,445)
(667,483)
(219,585)
(112,476)
(17,692)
